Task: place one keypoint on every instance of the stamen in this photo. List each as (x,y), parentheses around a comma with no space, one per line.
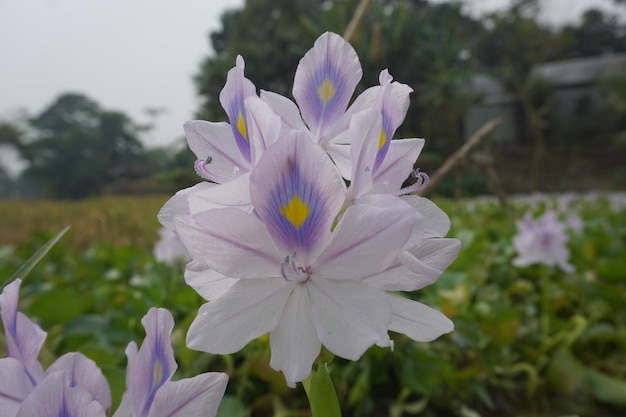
(298,273)
(421,182)
(200,168)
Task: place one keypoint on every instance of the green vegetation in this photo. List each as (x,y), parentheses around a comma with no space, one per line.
(498,361)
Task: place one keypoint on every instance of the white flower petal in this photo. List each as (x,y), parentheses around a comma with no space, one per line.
(179,204)
(367,239)
(208,283)
(222,238)
(416,320)
(251,308)
(215,143)
(349,317)
(294,342)
(436,221)
(199,396)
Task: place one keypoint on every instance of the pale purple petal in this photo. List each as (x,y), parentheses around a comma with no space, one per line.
(349,317)
(286,109)
(214,146)
(232,96)
(393,102)
(235,193)
(297,192)
(208,283)
(418,267)
(23,337)
(416,320)
(154,364)
(397,165)
(179,204)
(365,130)
(294,342)
(367,239)
(264,126)
(14,386)
(249,309)
(125,408)
(325,81)
(199,396)
(436,221)
(222,238)
(340,154)
(82,371)
(54,397)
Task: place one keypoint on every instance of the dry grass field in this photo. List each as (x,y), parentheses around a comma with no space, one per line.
(120,220)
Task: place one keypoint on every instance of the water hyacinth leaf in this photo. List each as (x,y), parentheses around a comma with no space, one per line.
(37,256)
(46,306)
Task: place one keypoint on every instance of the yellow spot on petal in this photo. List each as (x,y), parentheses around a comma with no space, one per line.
(241,126)
(382,139)
(326,91)
(296,211)
(157,373)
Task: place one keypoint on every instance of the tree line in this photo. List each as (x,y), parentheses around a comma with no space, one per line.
(75,148)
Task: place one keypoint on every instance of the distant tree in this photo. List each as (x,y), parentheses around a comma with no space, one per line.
(77,148)
(598,33)
(427,46)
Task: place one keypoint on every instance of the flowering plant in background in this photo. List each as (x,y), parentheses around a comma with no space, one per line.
(74,386)
(281,245)
(169,249)
(542,241)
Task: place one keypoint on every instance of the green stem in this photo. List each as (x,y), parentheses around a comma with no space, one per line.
(544,300)
(321,392)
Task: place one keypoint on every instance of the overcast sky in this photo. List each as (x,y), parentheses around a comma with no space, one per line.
(129,55)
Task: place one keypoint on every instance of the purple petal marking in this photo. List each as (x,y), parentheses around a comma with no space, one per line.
(84,372)
(232,96)
(154,364)
(393,102)
(54,397)
(297,192)
(23,337)
(325,80)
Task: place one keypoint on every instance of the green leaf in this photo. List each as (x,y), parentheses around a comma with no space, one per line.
(321,392)
(231,407)
(34,260)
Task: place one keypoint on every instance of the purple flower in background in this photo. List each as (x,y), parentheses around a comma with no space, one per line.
(542,241)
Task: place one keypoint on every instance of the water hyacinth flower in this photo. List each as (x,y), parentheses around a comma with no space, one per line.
(149,390)
(74,386)
(301,265)
(285,247)
(542,241)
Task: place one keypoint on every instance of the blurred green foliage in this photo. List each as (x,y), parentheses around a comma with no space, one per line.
(497,362)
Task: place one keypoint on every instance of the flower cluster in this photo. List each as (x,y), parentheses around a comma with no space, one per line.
(304,229)
(74,386)
(542,241)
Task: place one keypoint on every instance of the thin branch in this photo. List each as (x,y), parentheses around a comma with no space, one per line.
(357,17)
(461,154)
